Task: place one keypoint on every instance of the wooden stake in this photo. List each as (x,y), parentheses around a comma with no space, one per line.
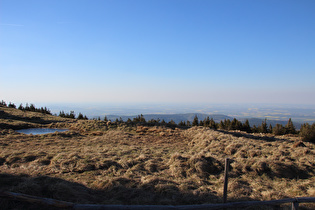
(295,205)
(226,177)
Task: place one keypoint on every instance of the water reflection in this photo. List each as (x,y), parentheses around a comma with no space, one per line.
(36,131)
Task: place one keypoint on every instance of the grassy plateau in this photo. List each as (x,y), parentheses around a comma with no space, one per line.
(118,163)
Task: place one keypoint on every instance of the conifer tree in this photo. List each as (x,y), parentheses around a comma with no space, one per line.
(206,122)
(71,115)
(3,103)
(263,127)
(11,105)
(27,107)
(222,124)
(182,123)
(172,122)
(254,129)
(142,119)
(227,124)
(62,114)
(289,127)
(195,121)
(246,126)
(80,116)
(212,124)
(270,128)
(278,130)
(32,108)
(235,125)
(21,107)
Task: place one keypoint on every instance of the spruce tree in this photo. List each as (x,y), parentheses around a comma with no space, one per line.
(3,103)
(254,129)
(32,108)
(235,125)
(62,114)
(142,119)
(21,107)
(212,124)
(246,126)
(263,127)
(278,130)
(72,115)
(80,116)
(172,122)
(222,124)
(195,121)
(206,122)
(289,127)
(11,105)
(181,123)
(227,124)
(270,128)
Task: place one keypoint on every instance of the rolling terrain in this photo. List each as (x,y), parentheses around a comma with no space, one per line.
(119,163)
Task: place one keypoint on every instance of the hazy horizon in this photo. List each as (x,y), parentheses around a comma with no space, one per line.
(157,52)
(281,112)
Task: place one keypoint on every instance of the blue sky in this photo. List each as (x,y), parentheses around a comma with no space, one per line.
(156,51)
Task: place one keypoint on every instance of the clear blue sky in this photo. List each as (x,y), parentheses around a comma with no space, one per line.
(157,51)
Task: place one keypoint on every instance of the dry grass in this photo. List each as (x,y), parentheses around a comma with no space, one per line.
(11,118)
(153,165)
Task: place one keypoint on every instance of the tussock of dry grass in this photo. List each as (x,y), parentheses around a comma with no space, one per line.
(154,165)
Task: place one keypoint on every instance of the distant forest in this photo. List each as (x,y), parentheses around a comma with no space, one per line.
(307,131)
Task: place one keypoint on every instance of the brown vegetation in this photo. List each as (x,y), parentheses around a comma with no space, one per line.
(11,118)
(119,164)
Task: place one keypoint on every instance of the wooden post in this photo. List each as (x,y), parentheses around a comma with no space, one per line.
(295,205)
(226,177)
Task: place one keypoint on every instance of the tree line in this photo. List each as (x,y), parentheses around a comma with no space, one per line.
(27,107)
(72,115)
(307,131)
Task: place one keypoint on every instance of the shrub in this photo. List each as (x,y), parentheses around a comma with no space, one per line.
(307,132)
(278,130)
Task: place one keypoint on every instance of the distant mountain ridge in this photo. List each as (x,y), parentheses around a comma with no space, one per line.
(190,117)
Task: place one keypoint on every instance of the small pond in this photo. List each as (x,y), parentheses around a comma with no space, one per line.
(36,131)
